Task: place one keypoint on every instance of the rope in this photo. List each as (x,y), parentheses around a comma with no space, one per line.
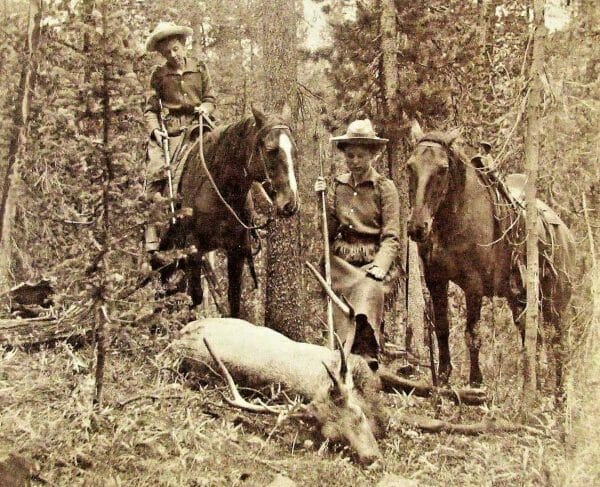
(216,189)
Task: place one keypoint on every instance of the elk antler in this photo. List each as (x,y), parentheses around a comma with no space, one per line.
(343,359)
(238,401)
(339,302)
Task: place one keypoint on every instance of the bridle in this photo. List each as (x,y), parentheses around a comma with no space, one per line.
(427,142)
(265,181)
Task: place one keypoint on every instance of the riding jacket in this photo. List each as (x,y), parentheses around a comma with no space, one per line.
(180,92)
(364,220)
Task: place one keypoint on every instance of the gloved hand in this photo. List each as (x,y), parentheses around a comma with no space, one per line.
(320,185)
(159,136)
(205,109)
(376,272)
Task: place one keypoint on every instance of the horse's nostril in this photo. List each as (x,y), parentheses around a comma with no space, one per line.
(289,208)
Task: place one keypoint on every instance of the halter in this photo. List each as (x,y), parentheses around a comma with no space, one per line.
(267,177)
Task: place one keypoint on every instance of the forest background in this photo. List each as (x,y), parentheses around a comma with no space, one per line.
(73,178)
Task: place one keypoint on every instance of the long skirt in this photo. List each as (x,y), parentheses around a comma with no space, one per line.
(361,333)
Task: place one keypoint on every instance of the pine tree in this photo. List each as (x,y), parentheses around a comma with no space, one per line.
(283,310)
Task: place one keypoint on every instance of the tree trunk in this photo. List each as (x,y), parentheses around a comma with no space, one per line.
(18,139)
(102,296)
(396,169)
(532,148)
(283,310)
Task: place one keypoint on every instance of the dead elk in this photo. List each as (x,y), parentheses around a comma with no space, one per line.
(342,390)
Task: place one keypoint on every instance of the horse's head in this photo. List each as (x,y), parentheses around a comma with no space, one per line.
(434,171)
(275,152)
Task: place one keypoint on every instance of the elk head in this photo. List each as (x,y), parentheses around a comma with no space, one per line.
(341,414)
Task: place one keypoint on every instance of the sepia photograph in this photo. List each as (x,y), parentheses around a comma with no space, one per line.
(270,243)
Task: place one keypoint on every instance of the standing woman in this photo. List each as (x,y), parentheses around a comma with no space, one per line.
(364,223)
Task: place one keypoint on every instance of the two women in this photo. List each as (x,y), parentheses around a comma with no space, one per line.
(364,215)
(364,223)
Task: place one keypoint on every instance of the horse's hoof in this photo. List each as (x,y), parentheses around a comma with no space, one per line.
(175,280)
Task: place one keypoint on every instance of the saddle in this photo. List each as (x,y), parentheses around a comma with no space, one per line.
(515,183)
(188,145)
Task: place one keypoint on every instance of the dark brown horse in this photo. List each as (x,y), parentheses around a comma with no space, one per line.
(462,222)
(259,149)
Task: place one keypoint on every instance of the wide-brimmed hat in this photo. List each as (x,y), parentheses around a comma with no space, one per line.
(163,31)
(359,132)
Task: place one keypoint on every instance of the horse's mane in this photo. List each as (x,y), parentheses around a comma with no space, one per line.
(455,148)
(225,144)
(225,147)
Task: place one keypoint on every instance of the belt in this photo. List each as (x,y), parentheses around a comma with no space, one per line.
(353,237)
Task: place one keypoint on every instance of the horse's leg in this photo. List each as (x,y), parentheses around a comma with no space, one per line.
(439,298)
(552,312)
(518,311)
(194,273)
(472,337)
(235,266)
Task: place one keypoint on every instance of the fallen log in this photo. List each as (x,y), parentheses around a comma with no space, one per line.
(32,332)
(486,426)
(391,382)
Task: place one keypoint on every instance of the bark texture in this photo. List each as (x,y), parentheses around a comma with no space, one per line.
(283,310)
(532,149)
(18,139)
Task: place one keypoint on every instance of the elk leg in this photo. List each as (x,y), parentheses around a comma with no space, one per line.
(473,338)
(235,266)
(439,297)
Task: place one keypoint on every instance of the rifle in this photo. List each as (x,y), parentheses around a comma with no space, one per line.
(327,256)
(167,156)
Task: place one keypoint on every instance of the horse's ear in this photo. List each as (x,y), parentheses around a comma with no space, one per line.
(286,113)
(452,136)
(260,117)
(416,132)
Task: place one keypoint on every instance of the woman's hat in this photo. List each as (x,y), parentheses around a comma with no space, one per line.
(163,31)
(359,132)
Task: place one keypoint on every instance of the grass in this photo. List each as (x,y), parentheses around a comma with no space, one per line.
(169,434)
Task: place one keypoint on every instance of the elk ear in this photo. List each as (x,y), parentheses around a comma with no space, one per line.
(259,117)
(416,132)
(343,358)
(336,391)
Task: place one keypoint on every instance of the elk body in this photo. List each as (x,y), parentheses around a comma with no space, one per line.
(342,390)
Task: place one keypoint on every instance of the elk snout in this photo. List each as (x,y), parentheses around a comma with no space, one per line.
(369,458)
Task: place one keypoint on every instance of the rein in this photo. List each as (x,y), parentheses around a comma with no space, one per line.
(505,206)
(267,179)
(216,188)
